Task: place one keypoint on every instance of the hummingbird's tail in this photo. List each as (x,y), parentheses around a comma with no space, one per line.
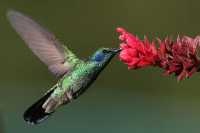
(36,113)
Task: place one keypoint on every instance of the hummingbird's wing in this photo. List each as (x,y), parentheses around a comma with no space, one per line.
(43,43)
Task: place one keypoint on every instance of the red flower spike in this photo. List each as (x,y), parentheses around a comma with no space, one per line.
(181,57)
(136,53)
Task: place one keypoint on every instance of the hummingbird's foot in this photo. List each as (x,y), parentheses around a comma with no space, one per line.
(68,96)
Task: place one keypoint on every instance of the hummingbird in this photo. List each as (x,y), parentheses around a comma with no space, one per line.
(75,75)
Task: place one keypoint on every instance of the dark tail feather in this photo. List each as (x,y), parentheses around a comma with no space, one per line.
(36,114)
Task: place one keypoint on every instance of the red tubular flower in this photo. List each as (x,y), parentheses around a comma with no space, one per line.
(179,57)
(136,53)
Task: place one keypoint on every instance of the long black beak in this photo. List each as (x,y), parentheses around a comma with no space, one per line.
(115,50)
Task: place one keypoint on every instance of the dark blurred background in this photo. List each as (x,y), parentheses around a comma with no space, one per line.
(120,101)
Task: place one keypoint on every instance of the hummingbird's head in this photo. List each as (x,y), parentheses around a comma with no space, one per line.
(103,55)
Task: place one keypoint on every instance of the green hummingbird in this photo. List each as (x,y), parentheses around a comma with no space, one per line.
(75,75)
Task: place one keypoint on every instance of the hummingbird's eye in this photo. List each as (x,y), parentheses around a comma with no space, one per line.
(105,51)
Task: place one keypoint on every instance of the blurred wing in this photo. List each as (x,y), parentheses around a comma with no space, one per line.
(41,42)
